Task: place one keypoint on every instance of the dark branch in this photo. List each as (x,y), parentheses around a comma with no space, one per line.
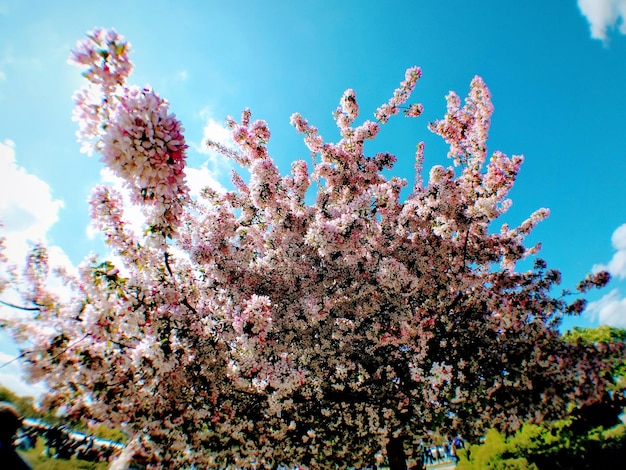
(21,355)
(71,345)
(166,255)
(28,309)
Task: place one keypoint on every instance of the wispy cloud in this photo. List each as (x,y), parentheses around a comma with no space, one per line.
(182,76)
(216,132)
(611,309)
(617,265)
(203,177)
(216,166)
(604,15)
(27,208)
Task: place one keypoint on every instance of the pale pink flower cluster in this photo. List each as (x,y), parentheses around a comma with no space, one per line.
(501,173)
(414,110)
(312,139)
(264,182)
(144,145)
(104,54)
(107,213)
(348,109)
(251,138)
(256,316)
(132,128)
(400,96)
(88,113)
(465,129)
(367,131)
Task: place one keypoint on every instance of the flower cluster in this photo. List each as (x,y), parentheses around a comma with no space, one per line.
(400,96)
(144,145)
(465,129)
(348,109)
(132,128)
(105,54)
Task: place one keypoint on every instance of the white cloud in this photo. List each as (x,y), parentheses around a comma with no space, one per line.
(609,310)
(200,178)
(216,165)
(604,15)
(215,132)
(27,208)
(617,265)
(27,211)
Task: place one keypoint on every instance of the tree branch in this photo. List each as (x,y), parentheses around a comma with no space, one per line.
(28,309)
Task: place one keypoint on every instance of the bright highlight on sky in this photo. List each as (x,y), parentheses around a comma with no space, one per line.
(556,71)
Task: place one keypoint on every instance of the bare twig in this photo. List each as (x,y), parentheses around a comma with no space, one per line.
(28,309)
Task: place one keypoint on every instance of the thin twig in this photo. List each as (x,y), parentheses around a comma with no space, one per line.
(28,309)
(23,353)
(166,255)
(71,345)
(13,360)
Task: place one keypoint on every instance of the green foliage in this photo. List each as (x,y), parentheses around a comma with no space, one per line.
(590,437)
(496,453)
(111,434)
(38,460)
(37,457)
(25,405)
(541,447)
(605,335)
(26,408)
(602,334)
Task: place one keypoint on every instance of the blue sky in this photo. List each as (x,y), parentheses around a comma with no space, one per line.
(556,70)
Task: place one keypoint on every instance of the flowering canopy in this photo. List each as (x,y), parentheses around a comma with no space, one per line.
(254,326)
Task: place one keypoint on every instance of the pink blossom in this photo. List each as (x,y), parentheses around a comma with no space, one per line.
(465,129)
(105,54)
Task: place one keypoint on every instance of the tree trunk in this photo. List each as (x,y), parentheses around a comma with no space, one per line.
(395,454)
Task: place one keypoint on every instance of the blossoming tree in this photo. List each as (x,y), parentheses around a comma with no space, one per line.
(311,319)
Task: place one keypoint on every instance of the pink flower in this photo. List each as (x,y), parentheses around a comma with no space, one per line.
(105,54)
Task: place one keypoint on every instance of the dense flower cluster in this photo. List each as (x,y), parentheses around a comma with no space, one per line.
(105,55)
(132,128)
(465,128)
(144,145)
(270,330)
(400,96)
